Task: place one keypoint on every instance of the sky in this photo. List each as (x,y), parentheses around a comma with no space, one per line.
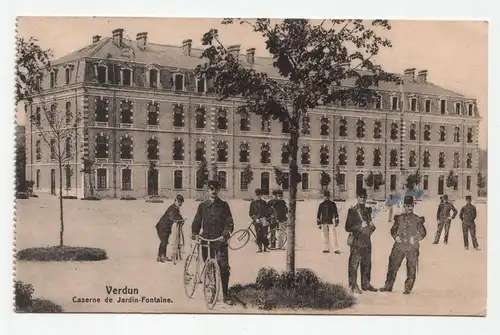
(455,53)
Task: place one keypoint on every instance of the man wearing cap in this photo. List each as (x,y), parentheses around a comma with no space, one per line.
(164,227)
(259,212)
(214,218)
(468,216)
(408,230)
(444,219)
(327,212)
(281,210)
(360,227)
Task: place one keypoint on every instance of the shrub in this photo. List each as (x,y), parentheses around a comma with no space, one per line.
(61,254)
(69,197)
(91,198)
(23,294)
(24,301)
(128,198)
(266,278)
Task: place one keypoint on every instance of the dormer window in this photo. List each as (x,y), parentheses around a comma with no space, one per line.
(67,75)
(126,75)
(52,79)
(394,103)
(201,86)
(470,109)
(442,107)
(427,106)
(38,83)
(101,73)
(413,104)
(458,108)
(154,78)
(178,82)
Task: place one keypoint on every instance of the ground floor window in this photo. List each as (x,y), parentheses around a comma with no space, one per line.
(178,179)
(222,179)
(243,183)
(126,179)
(200,181)
(393,182)
(102,176)
(341,181)
(426,182)
(305,181)
(37,178)
(469,182)
(286,181)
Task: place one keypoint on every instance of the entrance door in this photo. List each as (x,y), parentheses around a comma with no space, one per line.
(264,183)
(359,182)
(441,185)
(153,182)
(53,181)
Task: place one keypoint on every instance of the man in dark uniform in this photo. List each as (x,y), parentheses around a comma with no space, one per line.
(215,218)
(408,230)
(164,227)
(468,216)
(259,212)
(360,227)
(281,216)
(327,212)
(444,219)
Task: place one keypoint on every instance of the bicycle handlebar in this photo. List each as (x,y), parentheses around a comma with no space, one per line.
(209,240)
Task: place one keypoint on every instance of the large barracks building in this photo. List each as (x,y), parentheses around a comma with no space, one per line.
(147,122)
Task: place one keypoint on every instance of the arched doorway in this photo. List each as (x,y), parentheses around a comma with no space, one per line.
(53,181)
(153,176)
(441,185)
(359,181)
(264,183)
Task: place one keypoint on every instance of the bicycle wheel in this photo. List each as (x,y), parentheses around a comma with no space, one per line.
(191,268)
(211,283)
(277,238)
(239,239)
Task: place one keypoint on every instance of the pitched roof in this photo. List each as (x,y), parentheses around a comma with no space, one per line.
(174,56)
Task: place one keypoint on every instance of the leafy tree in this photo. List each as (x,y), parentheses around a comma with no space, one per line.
(325,180)
(247,175)
(20,160)
(413,180)
(452,180)
(89,169)
(481,180)
(278,175)
(369,180)
(339,181)
(313,61)
(378,180)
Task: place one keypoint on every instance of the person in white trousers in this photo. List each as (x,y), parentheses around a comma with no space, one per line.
(327,212)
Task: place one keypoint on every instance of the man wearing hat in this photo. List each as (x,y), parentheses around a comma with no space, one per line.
(444,219)
(164,226)
(408,230)
(259,212)
(468,215)
(281,210)
(327,212)
(214,218)
(360,227)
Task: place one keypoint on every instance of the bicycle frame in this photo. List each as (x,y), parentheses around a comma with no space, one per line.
(198,248)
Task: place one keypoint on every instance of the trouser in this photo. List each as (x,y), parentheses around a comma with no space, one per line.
(261,232)
(389,219)
(163,235)
(272,240)
(398,253)
(446,224)
(220,252)
(466,227)
(326,228)
(360,256)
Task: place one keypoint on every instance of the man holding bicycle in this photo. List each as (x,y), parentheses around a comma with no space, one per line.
(280,220)
(259,212)
(215,220)
(164,227)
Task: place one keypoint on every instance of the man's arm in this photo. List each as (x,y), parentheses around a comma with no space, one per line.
(335,211)
(253,209)
(461,215)
(318,217)
(228,230)
(395,226)
(474,212)
(175,214)
(454,211)
(422,232)
(197,221)
(371,226)
(439,211)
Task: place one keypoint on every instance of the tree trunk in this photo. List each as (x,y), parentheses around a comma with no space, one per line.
(290,247)
(61,232)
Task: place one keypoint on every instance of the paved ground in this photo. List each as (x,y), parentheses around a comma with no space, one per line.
(450,280)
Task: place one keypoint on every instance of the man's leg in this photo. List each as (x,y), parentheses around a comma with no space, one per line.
(336,240)
(225,270)
(395,260)
(265,241)
(281,235)
(354,260)
(366,268)
(439,231)
(162,249)
(465,233)
(326,238)
(258,233)
(411,269)
(447,224)
(472,228)
(273,235)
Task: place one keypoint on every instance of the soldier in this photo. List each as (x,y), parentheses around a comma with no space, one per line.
(467,215)
(444,219)
(164,227)
(259,212)
(327,211)
(408,230)
(215,218)
(360,227)
(281,210)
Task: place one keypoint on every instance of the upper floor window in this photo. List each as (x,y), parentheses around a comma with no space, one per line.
(342,156)
(126,115)
(200,153)
(101,146)
(265,124)
(360,157)
(222,122)
(469,160)
(456,134)
(244,152)
(265,154)
(178,116)
(101,112)
(413,104)
(413,131)
(68,148)
(427,132)
(324,155)
(38,117)
(153,110)
(306,125)
(427,106)
(378,102)
(201,85)
(377,129)
(222,151)
(427,158)
(413,159)
(69,116)
(469,135)
(458,108)
(244,121)
(178,82)
(360,129)
(325,128)
(343,127)
(178,152)
(394,103)
(126,147)
(442,133)
(393,158)
(285,127)
(285,154)
(394,131)
(377,157)
(305,155)
(200,118)
(442,160)
(442,107)
(51,117)
(153,150)
(38,146)
(456,160)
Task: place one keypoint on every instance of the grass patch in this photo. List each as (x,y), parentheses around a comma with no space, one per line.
(128,198)
(61,254)
(24,302)
(155,201)
(304,290)
(72,197)
(93,198)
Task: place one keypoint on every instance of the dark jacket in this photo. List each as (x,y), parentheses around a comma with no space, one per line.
(468,213)
(361,236)
(281,209)
(327,211)
(407,226)
(444,210)
(259,208)
(167,220)
(215,218)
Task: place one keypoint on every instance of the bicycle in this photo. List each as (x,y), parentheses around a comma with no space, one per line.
(210,272)
(178,243)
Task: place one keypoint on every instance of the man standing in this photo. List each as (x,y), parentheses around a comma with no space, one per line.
(281,210)
(259,212)
(468,215)
(444,219)
(360,227)
(327,211)
(215,218)
(164,227)
(408,230)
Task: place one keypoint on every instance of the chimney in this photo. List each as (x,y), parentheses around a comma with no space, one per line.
(251,55)
(142,39)
(234,50)
(410,74)
(118,36)
(186,46)
(422,76)
(96,38)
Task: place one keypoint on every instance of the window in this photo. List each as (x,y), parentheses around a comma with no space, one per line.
(413,104)
(178,180)
(305,181)
(427,132)
(244,152)
(342,156)
(378,102)
(305,155)
(360,157)
(393,182)
(286,181)
(469,135)
(324,155)
(222,119)
(101,111)
(469,160)
(306,125)
(153,149)
(468,183)
(442,162)
(178,116)
(126,179)
(265,154)
(153,78)
(393,158)
(68,113)
(456,134)
(101,146)
(153,110)
(442,133)
(222,179)
(377,157)
(427,106)
(38,150)
(38,117)
(394,103)
(343,128)
(178,152)
(413,131)
(285,154)
(68,148)
(178,82)
(200,151)
(443,107)
(51,117)
(200,118)
(471,109)
(67,75)
(102,176)
(126,115)
(244,121)
(427,158)
(341,181)
(201,85)
(37,178)
(68,172)
(243,182)
(458,108)
(102,72)
(413,159)
(426,182)
(456,160)
(360,129)
(394,131)
(52,79)
(199,180)
(325,129)
(377,129)
(285,127)
(52,149)
(222,151)
(265,124)
(127,77)
(38,83)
